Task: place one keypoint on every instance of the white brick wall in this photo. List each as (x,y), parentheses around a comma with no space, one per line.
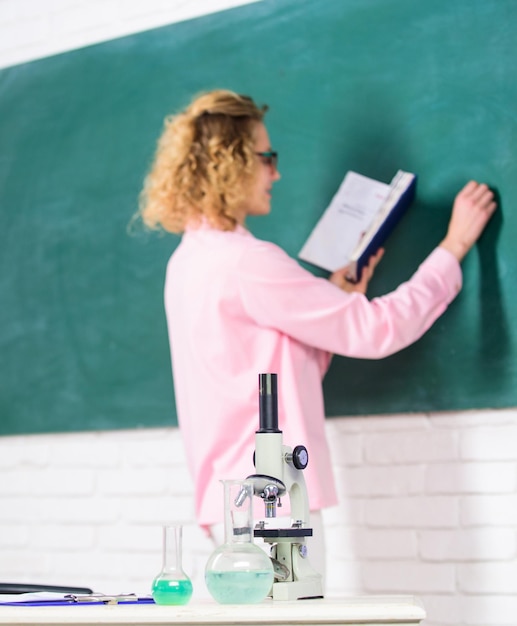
(428,506)
(428,503)
(87,508)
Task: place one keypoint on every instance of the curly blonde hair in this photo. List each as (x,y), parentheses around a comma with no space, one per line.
(204,163)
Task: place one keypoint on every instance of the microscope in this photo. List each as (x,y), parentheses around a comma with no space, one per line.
(280,472)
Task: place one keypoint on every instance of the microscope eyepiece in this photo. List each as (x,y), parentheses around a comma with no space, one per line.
(268,404)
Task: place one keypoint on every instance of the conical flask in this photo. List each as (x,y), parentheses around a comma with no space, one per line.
(172,585)
(238,572)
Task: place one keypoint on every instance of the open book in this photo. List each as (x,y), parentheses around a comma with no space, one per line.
(357,222)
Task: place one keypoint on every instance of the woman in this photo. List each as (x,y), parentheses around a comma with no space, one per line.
(237,306)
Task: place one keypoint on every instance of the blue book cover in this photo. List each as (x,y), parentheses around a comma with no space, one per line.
(357,221)
(401,195)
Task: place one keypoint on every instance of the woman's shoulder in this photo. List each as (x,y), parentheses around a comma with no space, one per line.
(239,248)
(239,237)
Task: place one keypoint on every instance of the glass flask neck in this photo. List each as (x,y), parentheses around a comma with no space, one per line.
(172,540)
(238,511)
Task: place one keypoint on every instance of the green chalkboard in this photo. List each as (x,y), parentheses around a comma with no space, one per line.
(367,85)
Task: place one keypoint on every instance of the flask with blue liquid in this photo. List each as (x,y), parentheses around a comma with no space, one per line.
(238,572)
(172,585)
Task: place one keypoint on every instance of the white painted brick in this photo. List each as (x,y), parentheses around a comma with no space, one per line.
(92,562)
(155,453)
(484,610)
(91,453)
(139,435)
(491,510)
(180,481)
(480,544)
(488,577)
(145,481)
(47,482)
(445,610)
(91,510)
(158,510)
(411,447)
(69,538)
(15,564)
(332,516)
(489,444)
(350,512)
(352,544)
(15,509)
(44,510)
(69,482)
(382,424)
(18,451)
(342,577)
(483,478)
(119,567)
(403,577)
(418,512)
(341,539)
(13,536)
(345,447)
(465,420)
(135,539)
(469,610)
(386,544)
(380,480)
(195,540)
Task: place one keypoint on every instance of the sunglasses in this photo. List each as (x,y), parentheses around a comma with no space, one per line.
(269,158)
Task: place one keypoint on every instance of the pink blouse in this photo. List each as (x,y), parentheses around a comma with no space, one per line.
(237,306)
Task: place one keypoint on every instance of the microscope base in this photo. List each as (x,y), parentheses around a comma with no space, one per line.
(297,590)
(304,581)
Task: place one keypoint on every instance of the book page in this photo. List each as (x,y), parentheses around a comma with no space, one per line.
(343,223)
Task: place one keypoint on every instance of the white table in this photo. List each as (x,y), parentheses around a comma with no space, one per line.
(352,611)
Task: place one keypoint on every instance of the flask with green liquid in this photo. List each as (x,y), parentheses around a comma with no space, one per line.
(238,572)
(172,585)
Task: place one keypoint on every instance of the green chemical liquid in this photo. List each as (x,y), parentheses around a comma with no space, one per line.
(172,591)
(239,587)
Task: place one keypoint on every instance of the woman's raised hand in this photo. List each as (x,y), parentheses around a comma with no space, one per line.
(473,207)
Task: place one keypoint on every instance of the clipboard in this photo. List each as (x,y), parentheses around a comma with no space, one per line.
(71,599)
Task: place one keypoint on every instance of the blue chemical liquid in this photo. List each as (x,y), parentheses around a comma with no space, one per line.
(239,587)
(166,591)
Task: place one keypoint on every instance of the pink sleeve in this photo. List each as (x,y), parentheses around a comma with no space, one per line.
(278,293)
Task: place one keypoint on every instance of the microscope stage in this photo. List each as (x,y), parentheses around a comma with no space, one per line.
(283,532)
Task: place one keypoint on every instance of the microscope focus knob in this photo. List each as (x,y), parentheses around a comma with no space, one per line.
(300,457)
